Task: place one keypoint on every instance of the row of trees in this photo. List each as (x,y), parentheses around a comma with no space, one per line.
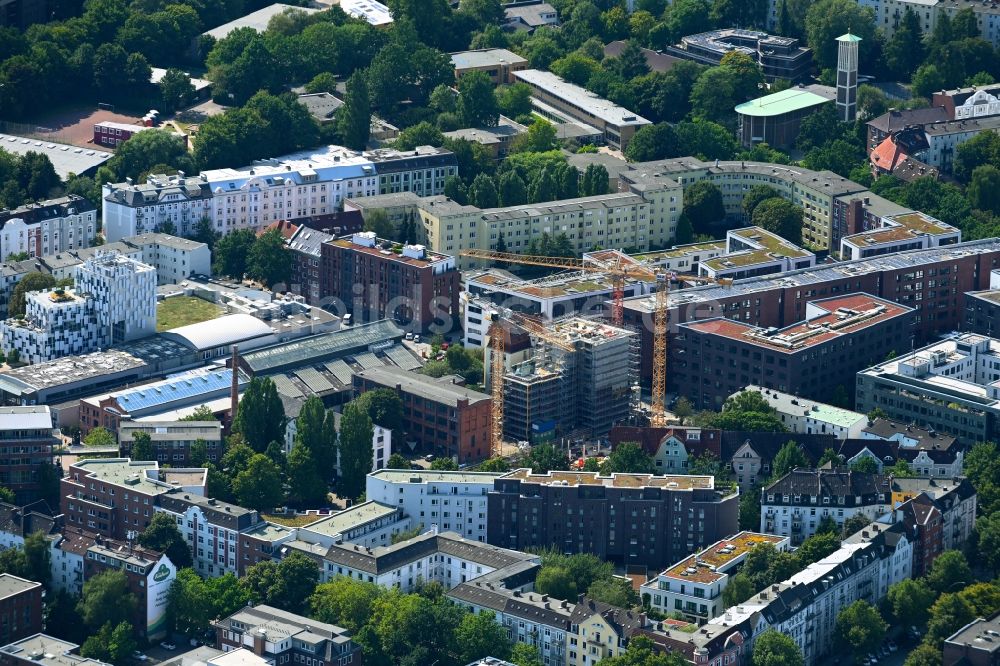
(242,253)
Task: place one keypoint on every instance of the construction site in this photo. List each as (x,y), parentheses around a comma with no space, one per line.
(578,379)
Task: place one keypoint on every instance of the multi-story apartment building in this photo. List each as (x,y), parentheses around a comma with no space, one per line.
(174,258)
(930,281)
(928,453)
(442,416)
(115,497)
(282,637)
(794,505)
(224,538)
(950,386)
(807,416)
(149,575)
(381,444)
(449,501)
(48,227)
(714,358)
(20,608)
(633,519)
(964,103)
(378,279)
(368,525)
(944,138)
(308,183)
(955,499)
(113,301)
(173,440)
(27,436)
(642,215)
(753,251)
(306,246)
(694,586)
(778,57)
(753,453)
(498,64)
(557,99)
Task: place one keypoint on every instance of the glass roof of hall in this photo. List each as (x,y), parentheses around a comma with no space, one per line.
(323,347)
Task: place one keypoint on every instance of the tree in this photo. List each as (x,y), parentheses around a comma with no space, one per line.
(480,635)
(193,602)
(641,651)
(653,142)
(525,655)
(557,582)
(316,432)
(628,457)
(773,648)
(514,100)
(948,614)
(924,655)
(287,584)
(828,19)
(231,253)
(982,149)
(949,570)
(983,598)
(31,282)
(99,436)
(324,82)
(855,524)
(749,513)
(742,13)
(540,137)
(356,434)
(755,196)
(176,90)
(615,591)
(495,464)
(595,181)
(308,488)
(984,188)
(703,205)
(910,601)
(444,464)
(354,118)
(259,485)
(738,590)
(827,525)
(260,417)
(747,411)
(927,80)
(861,627)
(477,102)
(397,461)
(163,536)
(982,467)
(988,531)
(344,602)
(816,547)
(483,192)
(269,260)
(905,50)
(106,600)
(152,147)
(142,447)
(545,458)
(781,217)
(788,458)
(865,465)
(829,456)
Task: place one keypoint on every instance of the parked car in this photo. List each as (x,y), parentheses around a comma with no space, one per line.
(140,656)
(892,646)
(168,646)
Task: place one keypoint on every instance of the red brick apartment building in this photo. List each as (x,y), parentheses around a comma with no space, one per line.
(20,608)
(113,497)
(444,418)
(714,358)
(408,284)
(933,282)
(26,441)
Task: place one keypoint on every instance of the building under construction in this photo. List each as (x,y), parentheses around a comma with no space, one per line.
(578,379)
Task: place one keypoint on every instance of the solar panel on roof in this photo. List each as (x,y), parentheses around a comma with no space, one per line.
(340,370)
(368,360)
(314,380)
(402,357)
(284,385)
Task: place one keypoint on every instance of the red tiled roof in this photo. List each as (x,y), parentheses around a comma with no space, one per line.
(887,155)
(284,227)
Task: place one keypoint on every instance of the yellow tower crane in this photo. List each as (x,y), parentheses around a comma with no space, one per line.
(621,268)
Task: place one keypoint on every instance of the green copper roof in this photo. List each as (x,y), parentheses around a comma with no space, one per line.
(848,38)
(786,101)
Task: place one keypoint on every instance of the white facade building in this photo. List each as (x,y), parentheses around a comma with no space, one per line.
(449,501)
(813,418)
(694,585)
(113,301)
(48,227)
(174,258)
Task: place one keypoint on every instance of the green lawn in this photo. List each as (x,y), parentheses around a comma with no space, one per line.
(291,521)
(184,310)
